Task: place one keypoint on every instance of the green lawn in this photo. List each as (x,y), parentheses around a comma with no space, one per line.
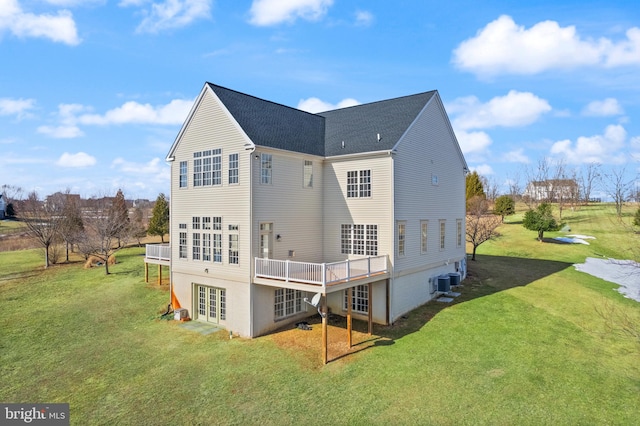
(524,344)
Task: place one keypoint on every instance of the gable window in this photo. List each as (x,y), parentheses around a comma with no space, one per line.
(459,233)
(234,250)
(197,169)
(401,237)
(233,169)
(216,167)
(265,168)
(424,226)
(443,224)
(183,174)
(307,175)
(359,184)
(359,299)
(288,302)
(182,241)
(207,167)
(217,239)
(359,239)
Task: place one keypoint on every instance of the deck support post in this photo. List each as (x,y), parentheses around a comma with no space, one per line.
(349,303)
(146,272)
(324,329)
(159,274)
(370,304)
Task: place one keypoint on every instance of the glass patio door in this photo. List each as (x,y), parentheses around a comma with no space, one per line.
(211,304)
(266,240)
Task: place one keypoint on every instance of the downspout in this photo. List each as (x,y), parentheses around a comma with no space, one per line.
(171,161)
(393,234)
(251,259)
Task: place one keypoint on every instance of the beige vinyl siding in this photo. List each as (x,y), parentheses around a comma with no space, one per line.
(374,210)
(295,211)
(212,127)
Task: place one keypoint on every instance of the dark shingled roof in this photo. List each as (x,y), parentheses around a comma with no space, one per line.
(278,126)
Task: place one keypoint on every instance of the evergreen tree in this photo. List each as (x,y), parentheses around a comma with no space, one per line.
(541,219)
(636,218)
(120,213)
(474,186)
(505,206)
(159,222)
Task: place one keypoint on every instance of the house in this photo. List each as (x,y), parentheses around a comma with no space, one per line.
(3,206)
(552,190)
(363,207)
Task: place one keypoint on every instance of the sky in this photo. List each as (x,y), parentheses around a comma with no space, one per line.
(93,92)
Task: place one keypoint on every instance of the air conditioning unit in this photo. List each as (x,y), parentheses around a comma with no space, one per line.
(433,281)
(180,314)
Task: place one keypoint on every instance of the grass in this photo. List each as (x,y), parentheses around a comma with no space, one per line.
(522,345)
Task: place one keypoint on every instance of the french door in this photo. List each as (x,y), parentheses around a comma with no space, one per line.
(211,304)
(266,240)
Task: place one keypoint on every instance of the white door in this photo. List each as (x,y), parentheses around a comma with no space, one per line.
(211,304)
(266,240)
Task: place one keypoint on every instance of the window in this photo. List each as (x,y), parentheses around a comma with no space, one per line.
(217,239)
(307,178)
(206,247)
(183,174)
(182,241)
(234,253)
(424,226)
(442,234)
(359,239)
(459,233)
(207,167)
(359,299)
(233,169)
(195,238)
(401,238)
(359,184)
(265,168)
(288,302)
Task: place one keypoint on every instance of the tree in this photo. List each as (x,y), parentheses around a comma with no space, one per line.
(71,227)
(43,220)
(138,230)
(481,226)
(120,213)
(505,206)
(636,218)
(589,177)
(474,186)
(104,227)
(618,188)
(541,219)
(159,222)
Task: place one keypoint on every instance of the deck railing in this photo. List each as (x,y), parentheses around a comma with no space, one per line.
(158,251)
(319,273)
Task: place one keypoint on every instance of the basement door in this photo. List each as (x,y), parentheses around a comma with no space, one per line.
(211,304)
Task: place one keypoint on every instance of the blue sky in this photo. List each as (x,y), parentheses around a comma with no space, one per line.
(93,93)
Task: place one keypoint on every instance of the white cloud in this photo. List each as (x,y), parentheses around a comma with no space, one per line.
(154,171)
(170,14)
(314,105)
(175,112)
(364,18)
(61,132)
(516,156)
(18,107)
(513,110)
(605,108)
(58,28)
(505,47)
(472,142)
(603,149)
(80,159)
(273,12)
(483,169)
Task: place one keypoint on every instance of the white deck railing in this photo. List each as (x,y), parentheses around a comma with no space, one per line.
(158,251)
(319,273)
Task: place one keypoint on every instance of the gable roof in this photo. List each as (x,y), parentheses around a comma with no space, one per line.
(274,125)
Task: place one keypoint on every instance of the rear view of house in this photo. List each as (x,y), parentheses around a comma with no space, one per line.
(271,205)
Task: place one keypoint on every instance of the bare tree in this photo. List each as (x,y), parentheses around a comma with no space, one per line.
(72,227)
(535,193)
(515,187)
(104,229)
(490,188)
(618,187)
(43,220)
(481,226)
(589,178)
(138,230)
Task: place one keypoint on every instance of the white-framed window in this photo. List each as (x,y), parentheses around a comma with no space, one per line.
(197,169)
(424,233)
(234,248)
(459,233)
(443,228)
(216,166)
(402,235)
(195,238)
(233,169)
(217,239)
(307,174)
(359,299)
(359,239)
(265,168)
(359,184)
(183,175)
(207,167)
(288,302)
(206,247)
(182,241)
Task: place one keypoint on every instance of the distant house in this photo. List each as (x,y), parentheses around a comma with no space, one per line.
(363,207)
(3,206)
(552,190)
